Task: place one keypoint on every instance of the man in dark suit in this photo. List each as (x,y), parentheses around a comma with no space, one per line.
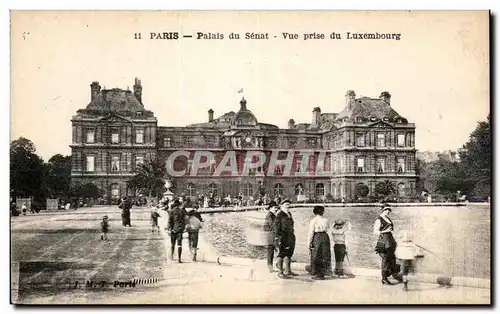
(176,227)
(269,227)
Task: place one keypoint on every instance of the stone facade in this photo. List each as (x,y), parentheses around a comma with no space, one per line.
(367,142)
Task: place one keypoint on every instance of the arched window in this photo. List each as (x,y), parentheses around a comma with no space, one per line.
(247,189)
(299,189)
(401,189)
(320,189)
(191,190)
(115,191)
(212,188)
(278,189)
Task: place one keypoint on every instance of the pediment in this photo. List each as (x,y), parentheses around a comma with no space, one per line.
(381,125)
(114,118)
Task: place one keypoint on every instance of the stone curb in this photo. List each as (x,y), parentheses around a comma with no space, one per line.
(372,273)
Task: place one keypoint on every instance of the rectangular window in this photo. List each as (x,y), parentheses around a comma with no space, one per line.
(90,163)
(167,142)
(139,136)
(360,139)
(90,136)
(401,165)
(115,137)
(361,165)
(380,165)
(380,140)
(279,169)
(139,160)
(115,163)
(401,140)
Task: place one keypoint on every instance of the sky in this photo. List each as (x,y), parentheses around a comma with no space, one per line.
(437,73)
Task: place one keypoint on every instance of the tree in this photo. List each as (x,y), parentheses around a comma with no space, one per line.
(26,169)
(384,188)
(362,190)
(150,178)
(86,190)
(475,160)
(57,176)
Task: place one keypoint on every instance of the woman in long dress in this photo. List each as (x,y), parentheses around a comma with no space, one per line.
(319,244)
(386,245)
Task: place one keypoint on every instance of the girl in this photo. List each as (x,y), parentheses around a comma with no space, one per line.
(406,252)
(339,248)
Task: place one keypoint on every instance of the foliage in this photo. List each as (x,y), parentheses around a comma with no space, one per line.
(87,190)
(150,178)
(471,175)
(57,176)
(26,169)
(362,190)
(384,189)
(329,198)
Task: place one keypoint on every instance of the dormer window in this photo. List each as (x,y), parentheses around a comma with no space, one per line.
(359,119)
(385,119)
(139,113)
(373,119)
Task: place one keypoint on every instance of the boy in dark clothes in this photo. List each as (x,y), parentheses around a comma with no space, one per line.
(104,228)
(154,220)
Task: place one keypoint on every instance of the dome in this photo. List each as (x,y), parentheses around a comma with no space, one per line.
(244,117)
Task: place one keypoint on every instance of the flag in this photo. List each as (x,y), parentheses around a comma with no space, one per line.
(240,91)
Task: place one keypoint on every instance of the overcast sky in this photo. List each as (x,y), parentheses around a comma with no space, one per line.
(437,74)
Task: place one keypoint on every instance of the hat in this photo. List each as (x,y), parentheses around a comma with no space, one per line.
(176,203)
(104,217)
(385,206)
(339,223)
(286,201)
(271,204)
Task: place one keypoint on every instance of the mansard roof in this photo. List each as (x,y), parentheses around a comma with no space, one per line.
(115,99)
(366,107)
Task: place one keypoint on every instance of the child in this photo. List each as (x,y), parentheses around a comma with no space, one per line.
(339,247)
(405,252)
(154,220)
(104,228)
(193,227)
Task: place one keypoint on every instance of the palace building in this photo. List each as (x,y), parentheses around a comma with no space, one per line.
(365,143)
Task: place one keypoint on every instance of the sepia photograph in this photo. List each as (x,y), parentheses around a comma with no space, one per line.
(250,157)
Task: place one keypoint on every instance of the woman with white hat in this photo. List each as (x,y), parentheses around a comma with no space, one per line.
(386,244)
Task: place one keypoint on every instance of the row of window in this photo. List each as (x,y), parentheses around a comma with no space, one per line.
(380,165)
(248,189)
(115,136)
(380,140)
(115,163)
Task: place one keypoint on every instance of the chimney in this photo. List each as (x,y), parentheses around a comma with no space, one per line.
(385,96)
(210,115)
(243,104)
(350,97)
(291,124)
(138,90)
(95,88)
(316,115)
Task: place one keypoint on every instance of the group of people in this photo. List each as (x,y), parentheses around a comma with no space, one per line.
(179,220)
(280,223)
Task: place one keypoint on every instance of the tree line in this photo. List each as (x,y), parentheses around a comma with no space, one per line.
(31,176)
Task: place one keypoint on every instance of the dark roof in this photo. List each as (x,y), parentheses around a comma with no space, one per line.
(115,100)
(366,107)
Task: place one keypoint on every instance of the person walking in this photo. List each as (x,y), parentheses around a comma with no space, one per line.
(386,244)
(284,239)
(319,244)
(339,247)
(125,206)
(24,209)
(176,227)
(272,210)
(193,227)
